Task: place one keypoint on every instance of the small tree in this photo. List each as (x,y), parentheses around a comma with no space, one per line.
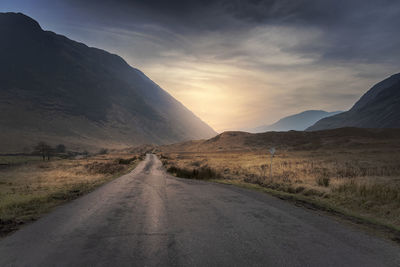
(61,148)
(43,149)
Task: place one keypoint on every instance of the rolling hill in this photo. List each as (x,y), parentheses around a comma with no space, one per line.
(297,122)
(61,91)
(378,108)
(354,138)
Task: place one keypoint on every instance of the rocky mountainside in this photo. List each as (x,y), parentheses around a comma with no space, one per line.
(297,122)
(378,108)
(61,91)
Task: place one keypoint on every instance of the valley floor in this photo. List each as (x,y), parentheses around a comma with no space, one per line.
(150,218)
(30,187)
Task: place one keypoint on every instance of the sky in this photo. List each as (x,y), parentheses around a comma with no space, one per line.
(240,64)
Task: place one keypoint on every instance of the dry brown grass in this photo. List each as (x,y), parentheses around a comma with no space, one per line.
(365,182)
(31,187)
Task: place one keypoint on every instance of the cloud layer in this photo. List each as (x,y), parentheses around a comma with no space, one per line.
(239,64)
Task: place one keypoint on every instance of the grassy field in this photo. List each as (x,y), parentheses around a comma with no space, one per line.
(361,182)
(17,159)
(30,187)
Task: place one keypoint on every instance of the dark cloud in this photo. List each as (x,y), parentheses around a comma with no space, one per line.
(303,54)
(362,30)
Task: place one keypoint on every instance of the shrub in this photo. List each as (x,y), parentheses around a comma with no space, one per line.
(125,161)
(202,173)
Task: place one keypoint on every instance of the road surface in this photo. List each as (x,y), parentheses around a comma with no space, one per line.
(148,218)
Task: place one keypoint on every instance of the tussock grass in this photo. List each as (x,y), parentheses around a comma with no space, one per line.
(364,182)
(104,167)
(383,193)
(126,161)
(203,173)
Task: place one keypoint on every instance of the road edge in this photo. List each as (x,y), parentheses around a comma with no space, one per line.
(48,209)
(368,225)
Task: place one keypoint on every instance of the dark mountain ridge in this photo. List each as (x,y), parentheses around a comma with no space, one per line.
(57,89)
(379,107)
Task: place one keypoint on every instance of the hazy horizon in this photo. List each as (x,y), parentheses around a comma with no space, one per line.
(243,64)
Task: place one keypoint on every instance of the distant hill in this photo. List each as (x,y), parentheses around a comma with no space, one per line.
(378,108)
(61,91)
(298,122)
(357,138)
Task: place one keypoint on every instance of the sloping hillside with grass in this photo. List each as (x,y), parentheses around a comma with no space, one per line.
(292,140)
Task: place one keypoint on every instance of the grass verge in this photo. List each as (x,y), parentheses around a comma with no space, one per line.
(362,184)
(377,227)
(29,191)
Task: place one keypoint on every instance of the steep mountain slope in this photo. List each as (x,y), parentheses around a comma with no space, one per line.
(298,122)
(61,91)
(378,108)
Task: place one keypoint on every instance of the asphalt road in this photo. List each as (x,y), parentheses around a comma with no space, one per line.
(148,218)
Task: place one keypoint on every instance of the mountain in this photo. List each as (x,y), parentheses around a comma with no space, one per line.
(298,122)
(378,108)
(61,91)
